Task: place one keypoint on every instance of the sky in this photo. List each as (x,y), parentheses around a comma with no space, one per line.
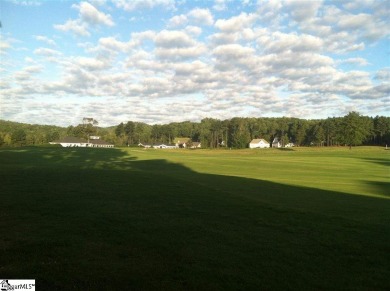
(162,61)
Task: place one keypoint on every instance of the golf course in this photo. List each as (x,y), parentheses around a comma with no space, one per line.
(305,218)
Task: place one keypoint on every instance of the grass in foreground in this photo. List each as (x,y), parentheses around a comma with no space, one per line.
(213,220)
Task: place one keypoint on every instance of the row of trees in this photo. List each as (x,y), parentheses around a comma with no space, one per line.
(352,129)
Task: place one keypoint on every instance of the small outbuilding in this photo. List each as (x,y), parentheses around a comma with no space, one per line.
(276,143)
(259,143)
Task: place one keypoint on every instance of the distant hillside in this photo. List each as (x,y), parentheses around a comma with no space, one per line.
(20,134)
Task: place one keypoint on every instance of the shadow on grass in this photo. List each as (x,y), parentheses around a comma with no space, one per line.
(72,217)
(383,162)
(381,187)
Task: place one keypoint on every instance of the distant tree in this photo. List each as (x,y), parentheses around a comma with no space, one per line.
(381,128)
(317,135)
(239,135)
(7,139)
(18,137)
(354,129)
(189,144)
(52,136)
(120,134)
(284,140)
(129,131)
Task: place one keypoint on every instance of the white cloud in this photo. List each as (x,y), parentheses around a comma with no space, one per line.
(4,46)
(45,39)
(46,52)
(236,23)
(194,31)
(76,26)
(132,5)
(173,38)
(88,16)
(383,75)
(91,64)
(92,16)
(302,10)
(201,16)
(220,5)
(27,2)
(280,42)
(196,16)
(355,61)
(178,20)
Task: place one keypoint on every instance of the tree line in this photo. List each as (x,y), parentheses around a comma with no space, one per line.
(351,129)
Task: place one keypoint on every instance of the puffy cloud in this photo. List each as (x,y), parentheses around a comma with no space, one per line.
(91,64)
(201,16)
(88,16)
(27,72)
(131,5)
(302,10)
(92,16)
(236,23)
(220,5)
(180,53)
(4,46)
(76,26)
(46,52)
(196,16)
(173,38)
(383,75)
(232,51)
(355,61)
(45,39)
(178,20)
(280,42)
(27,2)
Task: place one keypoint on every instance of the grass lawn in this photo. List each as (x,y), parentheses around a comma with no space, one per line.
(106,219)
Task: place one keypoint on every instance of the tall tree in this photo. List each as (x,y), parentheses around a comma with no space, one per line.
(354,129)
(239,135)
(18,137)
(382,128)
(129,132)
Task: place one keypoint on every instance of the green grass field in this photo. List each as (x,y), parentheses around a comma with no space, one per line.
(134,219)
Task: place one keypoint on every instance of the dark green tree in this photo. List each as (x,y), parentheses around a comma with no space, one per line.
(18,137)
(354,129)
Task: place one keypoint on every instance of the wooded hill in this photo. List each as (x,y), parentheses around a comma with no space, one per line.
(352,129)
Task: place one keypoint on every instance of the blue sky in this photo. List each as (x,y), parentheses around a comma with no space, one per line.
(161,61)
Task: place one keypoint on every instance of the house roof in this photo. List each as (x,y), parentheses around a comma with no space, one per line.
(99,142)
(71,139)
(258,140)
(181,139)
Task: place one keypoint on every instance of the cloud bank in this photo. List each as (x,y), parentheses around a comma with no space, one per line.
(307,59)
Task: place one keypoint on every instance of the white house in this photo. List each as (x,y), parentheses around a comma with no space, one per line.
(276,143)
(94,142)
(196,145)
(164,146)
(181,142)
(259,143)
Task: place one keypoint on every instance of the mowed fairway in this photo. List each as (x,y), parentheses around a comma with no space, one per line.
(134,219)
